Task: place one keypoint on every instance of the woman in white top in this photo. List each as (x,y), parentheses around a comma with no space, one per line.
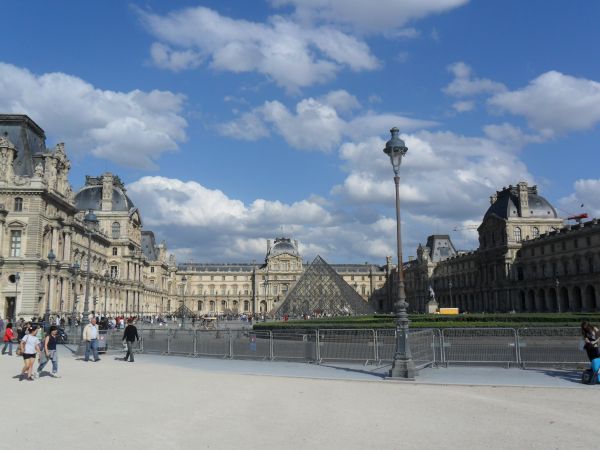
(30,347)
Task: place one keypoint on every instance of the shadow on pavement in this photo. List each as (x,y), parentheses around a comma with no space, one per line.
(571,376)
(356,370)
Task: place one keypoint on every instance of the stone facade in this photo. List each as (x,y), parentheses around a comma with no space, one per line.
(258,288)
(527,261)
(129,272)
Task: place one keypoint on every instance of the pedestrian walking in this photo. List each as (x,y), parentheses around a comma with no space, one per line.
(130,335)
(90,336)
(9,335)
(30,346)
(49,352)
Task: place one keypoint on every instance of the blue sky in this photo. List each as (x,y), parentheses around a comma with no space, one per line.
(234,121)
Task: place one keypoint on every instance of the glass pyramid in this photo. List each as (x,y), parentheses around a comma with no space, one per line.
(321,291)
(183,311)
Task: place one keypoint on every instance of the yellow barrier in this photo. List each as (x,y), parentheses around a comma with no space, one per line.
(449,311)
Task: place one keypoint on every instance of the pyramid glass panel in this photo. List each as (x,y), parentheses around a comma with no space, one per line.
(321,291)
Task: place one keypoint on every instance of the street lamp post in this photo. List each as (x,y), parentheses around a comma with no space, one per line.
(183,280)
(74,271)
(91,225)
(450,286)
(557,283)
(106,277)
(403,366)
(51,259)
(17,278)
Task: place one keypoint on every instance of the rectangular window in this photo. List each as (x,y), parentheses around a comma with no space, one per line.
(114,271)
(15,243)
(115,251)
(151,269)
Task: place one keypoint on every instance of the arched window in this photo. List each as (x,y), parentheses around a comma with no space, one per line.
(116,230)
(212,306)
(517,234)
(536,232)
(18,204)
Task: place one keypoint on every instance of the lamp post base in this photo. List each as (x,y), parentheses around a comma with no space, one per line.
(403,369)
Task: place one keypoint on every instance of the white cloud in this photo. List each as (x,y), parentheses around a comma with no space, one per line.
(554,103)
(167,58)
(316,124)
(289,53)
(226,229)
(464,106)
(381,17)
(464,85)
(129,128)
(443,175)
(586,193)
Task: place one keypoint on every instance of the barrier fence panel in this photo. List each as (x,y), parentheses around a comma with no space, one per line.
(551,346)
(155,341)
(347,345)
(212,343)
(181,342)
(251,344)
(422,345)
(295,345)
(480,345)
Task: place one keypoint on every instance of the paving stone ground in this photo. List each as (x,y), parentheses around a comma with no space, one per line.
(162,402)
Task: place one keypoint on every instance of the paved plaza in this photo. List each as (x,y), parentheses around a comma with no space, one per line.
(178,402)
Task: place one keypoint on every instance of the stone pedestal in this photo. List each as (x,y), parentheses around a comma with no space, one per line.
(432,307)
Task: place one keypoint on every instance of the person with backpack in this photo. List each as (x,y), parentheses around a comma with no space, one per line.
(9,335)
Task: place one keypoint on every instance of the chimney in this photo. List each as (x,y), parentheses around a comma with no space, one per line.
(523,199)
(107,191)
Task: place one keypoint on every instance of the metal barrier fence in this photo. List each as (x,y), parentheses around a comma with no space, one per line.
(468,346)
(554,346)
(480,345)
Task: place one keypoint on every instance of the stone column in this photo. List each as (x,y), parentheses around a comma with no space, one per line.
(67,247)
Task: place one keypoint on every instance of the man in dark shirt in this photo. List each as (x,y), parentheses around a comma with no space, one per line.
(129,336)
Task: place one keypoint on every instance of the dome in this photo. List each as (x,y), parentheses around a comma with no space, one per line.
(90,197)
(283,245)
(507,204)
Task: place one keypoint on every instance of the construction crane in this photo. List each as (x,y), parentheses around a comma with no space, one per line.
(578,217)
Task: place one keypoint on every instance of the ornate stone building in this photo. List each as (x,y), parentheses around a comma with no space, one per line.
(258,288)
(526,261)
(40,213)
(129,272)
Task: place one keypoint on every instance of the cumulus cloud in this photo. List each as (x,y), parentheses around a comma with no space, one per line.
(464,106)
(381,17)
(444,175)
(132,128)
(465,85)
(554,103)
(167,58)
(316,123)
(226,229)
(289,53)
(586,192)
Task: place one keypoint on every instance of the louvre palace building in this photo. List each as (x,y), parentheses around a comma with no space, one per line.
(528,260)
(44,248)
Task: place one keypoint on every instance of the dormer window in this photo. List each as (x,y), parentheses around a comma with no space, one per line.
(116,230)
(18,204)
(536,232)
